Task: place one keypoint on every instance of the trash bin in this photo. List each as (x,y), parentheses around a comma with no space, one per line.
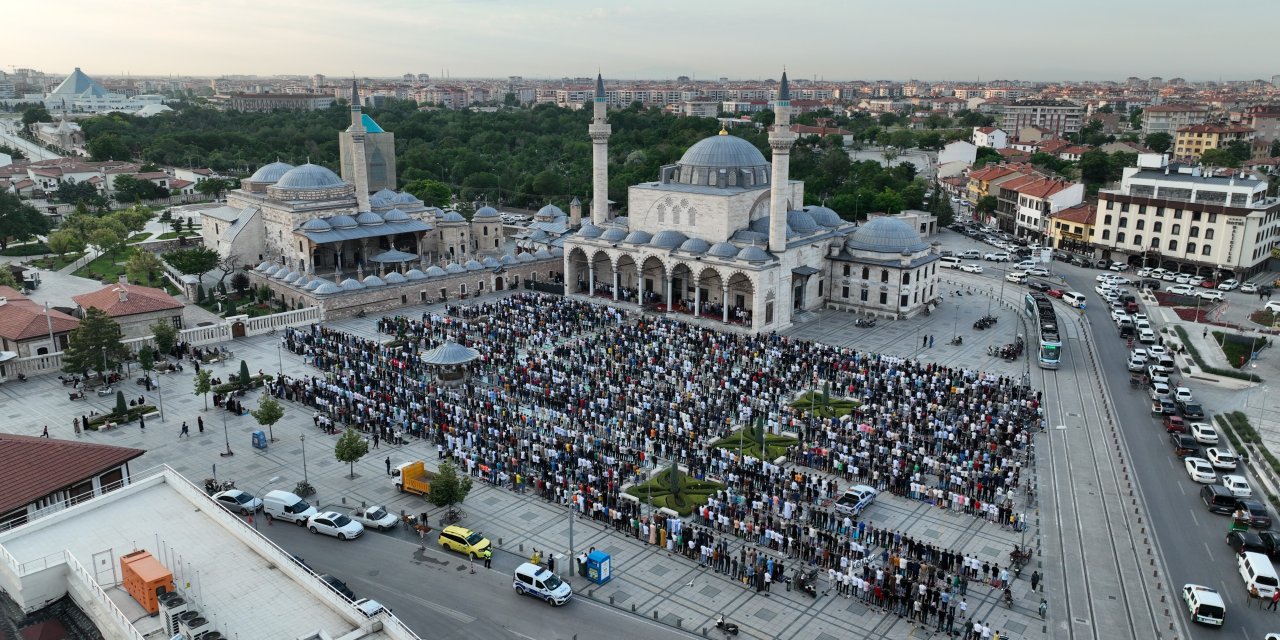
(259,440)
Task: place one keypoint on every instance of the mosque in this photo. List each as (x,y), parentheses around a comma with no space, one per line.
(722,235)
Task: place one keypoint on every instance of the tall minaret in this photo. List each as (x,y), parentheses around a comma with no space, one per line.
(780,141)
(599,132)
(359,169)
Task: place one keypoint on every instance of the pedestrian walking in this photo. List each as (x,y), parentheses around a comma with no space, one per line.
(375,439)
(1275,599)
(142,422)
(186,431)
(200,423)
(924,341)
(388,465)
(931,338)
(45,433)
(1035,580)
(1044,608)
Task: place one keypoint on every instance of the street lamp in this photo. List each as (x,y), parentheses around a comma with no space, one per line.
(304,459)
(226,437)
(273,480)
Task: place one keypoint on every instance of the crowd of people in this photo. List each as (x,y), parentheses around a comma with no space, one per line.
(571,401)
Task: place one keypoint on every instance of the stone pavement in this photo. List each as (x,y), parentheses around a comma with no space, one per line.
(646,577)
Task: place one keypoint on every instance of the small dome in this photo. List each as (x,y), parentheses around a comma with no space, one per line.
(454,267)
(485,213)
(542,254)
(343,222)
(761,225)
(434,271)
(668,239)
(525,257)
(557,252)
(638,237)
(395,215)
(316,224)
(327,288)
(301,282)
(824,216)
(406,198)
(263,267)
(316,283)
(753,254)
(292,277)
(550,211)
(472,265)
(309,176)
(394,278)
(272,269)
(284,273)
(622,221)
(271,172)
(748,236)
(695,245)
(452,216)
(723,250)
(413,274)
(801,222)
(351,284)
(507,259)
(723,151)
(539,236)
(368,219)
(383,194)
(373,281)
(490,263)
(886,235)
(589,230)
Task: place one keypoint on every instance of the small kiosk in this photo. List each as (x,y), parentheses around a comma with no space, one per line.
(599,567)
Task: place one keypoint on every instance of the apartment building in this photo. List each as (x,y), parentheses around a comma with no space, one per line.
(1174,216)
(1168,118)
(272,101)
(990,137)
(1265,121)
(1071,229)
(1194,140)
(1058,116)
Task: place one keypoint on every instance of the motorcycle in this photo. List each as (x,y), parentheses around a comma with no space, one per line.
(212,486)
(957,341)
(72,381)
(1008,598)
(728,628)
(22,377)
(76,395)
(865,323)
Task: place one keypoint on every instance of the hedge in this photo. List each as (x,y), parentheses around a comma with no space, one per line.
(1195,355)
(29,249)
(825,406)
(691,493)
(254,383)
(96,422)
(1235,425)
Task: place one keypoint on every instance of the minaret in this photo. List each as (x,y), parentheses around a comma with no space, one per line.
(358,167)
(780,141)
(599,132)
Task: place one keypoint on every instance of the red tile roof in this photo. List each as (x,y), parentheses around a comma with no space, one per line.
(1045,188)
(1215,128)
(986,129)
(21,319)
(1083,213)
(137,299)
(1174,108)
(34,467)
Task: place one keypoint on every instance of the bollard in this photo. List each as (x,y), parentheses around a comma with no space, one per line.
(633,608)
(655,614)
(499,542)
(611,601)
(679,623)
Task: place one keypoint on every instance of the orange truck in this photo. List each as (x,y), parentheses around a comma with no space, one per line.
(413,477)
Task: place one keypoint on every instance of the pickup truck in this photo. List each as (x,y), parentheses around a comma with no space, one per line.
(413,477)
(375,517)
(856,499)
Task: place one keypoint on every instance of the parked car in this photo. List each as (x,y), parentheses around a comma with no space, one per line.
(971,268)
(1184,445)
(338,585)
(1211,294)
(1221,458)
(1204,432)
(1199,470)
(1191,410)
(332,523)
(1237,485)
(1248,287)
(997,256)
(1149,284)
(1037,285)
(238,501)
(1272,305)
(1181,289)
(1038,271)
(1182,394)
(1259,517)
(1172,423)
(1055,293)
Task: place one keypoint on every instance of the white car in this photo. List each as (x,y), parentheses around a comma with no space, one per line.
(1104,277)
(1136,364)
(238,501)
(1141,353)
(1118,314)
(1182,279)
(1181,289)
(1169,276)
(1248,287)
(1039,272)
(1228,285)
(1016,277)
(1103,289)
(1203,432)
(1210,294)
(1139,317)
(1157,350)
(332,523)
(1272,305)
(1142,324)
(1146,336)
(1182,394)
(1238,486)
(1221,458)
(1144,272)
(1117,266)
(1160,390)
(1158,375)
(375,517)
(1200,470)
(998,256)
(971,268)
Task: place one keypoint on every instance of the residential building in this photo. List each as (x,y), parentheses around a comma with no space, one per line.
(700,108)
(1040,200)
(46,475)
(29,329)
(134,307)
(1168,118)
(1264,120)
(992,137)
(272,101)
(1174,216)
(1071,229)
(1191,141)
(1058,116)
(63,134)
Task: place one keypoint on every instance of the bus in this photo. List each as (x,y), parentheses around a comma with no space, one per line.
(1044,322)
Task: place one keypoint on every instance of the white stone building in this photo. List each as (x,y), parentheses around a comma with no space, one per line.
(990,137)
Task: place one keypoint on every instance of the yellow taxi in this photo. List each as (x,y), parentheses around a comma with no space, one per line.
(463,540)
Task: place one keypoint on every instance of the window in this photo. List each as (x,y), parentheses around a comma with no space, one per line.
(1213,218)
(1124,222)
(906,277)
(866,273)
(1124,207)
(884,275)
(1194,232)
(1173,245)
(486,231)
(863,297)
(1208,234)
(1138,239)
(1106,234)
(1195,216)
(1177,229)
(820,286)
(1204,251)
(903,300)
(846,272)
(1157,226)
(1140,225)
(844,291)
(1191,248)
(1159,212)
(1155,242)
(1106,219)
(1120,237)
(884,297)
(1142,209)
(1177,214)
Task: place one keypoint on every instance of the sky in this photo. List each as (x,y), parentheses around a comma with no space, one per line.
(649,39)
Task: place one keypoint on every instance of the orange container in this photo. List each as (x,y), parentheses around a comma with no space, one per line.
(145,579)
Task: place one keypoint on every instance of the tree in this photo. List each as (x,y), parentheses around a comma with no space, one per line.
(195,261)
(240,282)
(214,186)
(1095,168)
(131,189)
(108,235)
(19,220)
(268,413)
(1218,158)
(244,374)
(143,266)
(122,409)
(147,358)
(1158,142)
(1240,150)
(986,204)
(1274,152)
(203,385)
(7,279)
(95,345)
(985,155)
(890,154)
(107,146)
(888,201)
(350,448)
(165,336)
(72,192)
(448,488)
(432,193)
(35,113)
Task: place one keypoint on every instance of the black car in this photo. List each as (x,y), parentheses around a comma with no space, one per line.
(1259,518)
(1191,409)
(1149,284)
(1036,285)
(1241,541)
(339,586)
(1184,445)
(1271,540)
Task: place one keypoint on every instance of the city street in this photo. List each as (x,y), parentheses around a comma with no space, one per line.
(9,136)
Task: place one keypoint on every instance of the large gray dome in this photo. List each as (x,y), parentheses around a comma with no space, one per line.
(271,172)
(485,213)
(309,176)
(667,239)
(613,234)
(824,216)
(801,222)
(886,235)
(723,151)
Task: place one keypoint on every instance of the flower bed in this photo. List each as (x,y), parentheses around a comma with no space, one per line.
(98,422)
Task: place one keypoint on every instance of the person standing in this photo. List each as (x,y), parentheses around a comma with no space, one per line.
(488,558)
(931,338)
(142,422)
(200,423)
(1275,599)
(76,425)
(924,341)
(1035,580)
(388,465)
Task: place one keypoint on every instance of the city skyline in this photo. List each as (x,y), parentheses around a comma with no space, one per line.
(660,39)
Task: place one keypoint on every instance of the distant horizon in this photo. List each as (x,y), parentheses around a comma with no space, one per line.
(629,40)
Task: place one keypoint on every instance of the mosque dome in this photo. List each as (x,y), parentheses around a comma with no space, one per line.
(351,284)
(263,267)
(753,254)
(638,237)
(292,277)
(613,234)
(723,250)
(472,265)
(886,235)
(271,172)
(394,278)
(589,230)
(309,176)
(550,211)
(525,257)
(434,271)
(373,281)
(301,282)
(507,259)
(490,262)
(542,254)
(557,252)
(368,219)
(316,283)
(405,198)
(667,239)
(383,194)
(452,216)
(801,222)
(485,213)
(824,216)
(723,152)
(454,267)
(413,274)
(326,288)
(695,245)
(316,224)
(395,215)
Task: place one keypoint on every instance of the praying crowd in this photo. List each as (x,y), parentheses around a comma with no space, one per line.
(571,401)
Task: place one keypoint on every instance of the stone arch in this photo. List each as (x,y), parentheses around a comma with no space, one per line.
(760,207)
(601,263)
(740,306)
(682,275)
(625,267)
(575,266)
(652,274)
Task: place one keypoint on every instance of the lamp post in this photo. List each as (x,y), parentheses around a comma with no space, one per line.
(304,459)
(273,480)
(226,437)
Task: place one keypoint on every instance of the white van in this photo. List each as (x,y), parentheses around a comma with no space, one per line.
(1204,605)
(1074,298)
(1016,277)
(287,506)
(950,262)
(1257,572)
(537,581)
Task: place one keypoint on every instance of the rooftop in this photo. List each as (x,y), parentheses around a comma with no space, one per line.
(35,467)
(127,299)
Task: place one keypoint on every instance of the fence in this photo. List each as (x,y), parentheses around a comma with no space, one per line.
(266,324)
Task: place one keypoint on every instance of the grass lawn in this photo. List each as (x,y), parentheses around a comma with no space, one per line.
(53,263)
(106,267)
(690,493)
(138,237)
(747,440)
(1264,318)
(830,408)
(1237,348)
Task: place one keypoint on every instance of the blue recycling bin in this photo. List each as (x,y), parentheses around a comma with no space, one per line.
(599,567)
(259,440)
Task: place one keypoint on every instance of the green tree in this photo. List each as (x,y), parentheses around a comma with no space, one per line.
(1218,158)
(971,119)
(122,409)
(1158,142)
(95,345)
(35,113)
(195,261)
(7,279)
(888,201)
(203,385)
(165,336)
(143,266)
(448,488)
(268,413)
(240,282)
(108,146)
(108,235)
(1274,152)
(986,155)
(350,448)
(245,379)
(432,193)
(215,187)
(986,204)
(72,192)
(1095,169)
(131,189)
(1240,150)
(146,358)
(19,220)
